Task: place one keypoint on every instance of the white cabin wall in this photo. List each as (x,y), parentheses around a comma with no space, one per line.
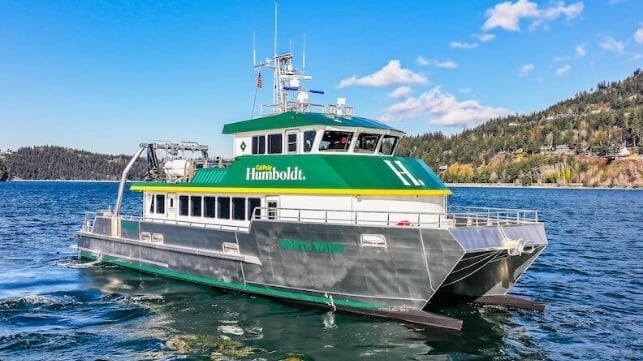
(317,208)
(237,151)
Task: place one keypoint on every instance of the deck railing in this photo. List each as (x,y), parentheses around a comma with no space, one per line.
(455,217)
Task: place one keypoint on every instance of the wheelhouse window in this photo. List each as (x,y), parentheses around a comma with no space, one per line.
(366,143)
(259,144)
(195,206)
(160,203)
(309,138)
(275,144)
(152,204)
(291,138)
(388,144)
(334,140)
(209,204)
(184,205)
(223,207)
(239,208)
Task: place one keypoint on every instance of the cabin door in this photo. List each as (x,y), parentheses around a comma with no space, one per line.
(272,207)
(171,206)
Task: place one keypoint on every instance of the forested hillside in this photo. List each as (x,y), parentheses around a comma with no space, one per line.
(574,141)
(52,162)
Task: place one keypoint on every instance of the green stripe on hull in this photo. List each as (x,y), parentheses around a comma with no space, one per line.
(261,290)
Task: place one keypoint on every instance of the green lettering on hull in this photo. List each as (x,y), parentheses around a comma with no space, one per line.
(307,246)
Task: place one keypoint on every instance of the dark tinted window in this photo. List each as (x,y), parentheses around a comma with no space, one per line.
(309,138)
(208,205)
(292,142)
(275,144)
(160,203)
(252,204)
(184,205)
(223,207)
(259,144)
(196,206)
(239,208)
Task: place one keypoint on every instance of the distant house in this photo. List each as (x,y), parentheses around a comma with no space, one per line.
(564,149)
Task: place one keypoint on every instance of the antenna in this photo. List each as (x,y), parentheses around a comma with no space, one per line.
(254,50)
(275,52)
(275,79)
(303,64)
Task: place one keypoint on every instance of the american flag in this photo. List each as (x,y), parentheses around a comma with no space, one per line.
(259,82)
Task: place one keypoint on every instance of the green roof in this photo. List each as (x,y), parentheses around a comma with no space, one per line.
(294,119)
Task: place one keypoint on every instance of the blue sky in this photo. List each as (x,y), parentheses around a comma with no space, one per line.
(106,75)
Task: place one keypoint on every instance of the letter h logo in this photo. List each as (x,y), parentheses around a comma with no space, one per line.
(402,173)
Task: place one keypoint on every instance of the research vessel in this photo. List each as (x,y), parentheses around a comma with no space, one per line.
(314,208)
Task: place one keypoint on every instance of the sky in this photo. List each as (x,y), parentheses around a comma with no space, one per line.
(104,76)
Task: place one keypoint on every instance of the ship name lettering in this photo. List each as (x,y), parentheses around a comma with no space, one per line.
(270,173)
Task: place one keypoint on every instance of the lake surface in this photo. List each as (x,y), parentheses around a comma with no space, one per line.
(53,306)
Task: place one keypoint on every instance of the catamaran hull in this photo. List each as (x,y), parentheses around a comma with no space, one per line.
(314,263)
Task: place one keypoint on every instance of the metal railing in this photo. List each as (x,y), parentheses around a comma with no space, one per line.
(457,216)
(481,216)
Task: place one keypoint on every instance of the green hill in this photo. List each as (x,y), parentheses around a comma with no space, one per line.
(574,141)
(59,163)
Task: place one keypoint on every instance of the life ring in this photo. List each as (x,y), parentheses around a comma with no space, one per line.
(404,223)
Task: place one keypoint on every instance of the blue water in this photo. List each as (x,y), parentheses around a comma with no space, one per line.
(53,306)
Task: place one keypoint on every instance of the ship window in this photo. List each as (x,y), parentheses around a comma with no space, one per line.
(272,210)
(184,205)
(160,203)
(275,143)
(388,144)
(223,207)
(152,204)
(309,138)
(252,204)
(366,143)
(208,205)
(195,210)
(336,141)
(292,142)
(239,208)
(259,144)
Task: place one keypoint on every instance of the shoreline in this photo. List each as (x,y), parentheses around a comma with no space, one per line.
(537,186)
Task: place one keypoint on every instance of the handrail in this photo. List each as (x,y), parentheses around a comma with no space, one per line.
(455,217)
(466,216)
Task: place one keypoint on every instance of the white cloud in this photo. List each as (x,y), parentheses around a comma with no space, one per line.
(463,45)
(401,92)
(447,64)
(465,90)
(611,44)
(563,69)
(485,37)
(581,50)
(391,74)
(443,109)
(638,35)
(525,69)
(507,15)
(422,61)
